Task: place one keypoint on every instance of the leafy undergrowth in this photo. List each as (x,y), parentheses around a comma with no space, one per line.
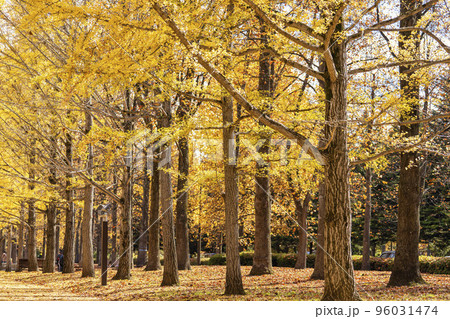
(207,283)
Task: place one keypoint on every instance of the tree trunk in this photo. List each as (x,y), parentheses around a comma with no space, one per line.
(262,257)
(233,280)
(199,245)
(77,243)
(20,251)
(406,263)
(182,229)
(339,278)
(143,239)
(87,251)
(57,235)
(154,262)
(31,241)
(96,234)
(114,234)
(302,213)
(367,217)
(49,262)
(69,234)
(14,253)
(44,239)
(170,273)
(319,263)
(181,226)
(126,233)
(125,251)
(9,250)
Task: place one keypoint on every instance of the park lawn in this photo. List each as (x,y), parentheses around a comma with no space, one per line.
(207,283)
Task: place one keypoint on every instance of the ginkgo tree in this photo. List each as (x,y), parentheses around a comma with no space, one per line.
(93,78)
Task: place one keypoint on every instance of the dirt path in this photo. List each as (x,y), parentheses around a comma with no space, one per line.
(13,290)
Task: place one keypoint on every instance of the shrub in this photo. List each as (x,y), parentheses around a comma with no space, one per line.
(310,260)
(217,260)
(435,265)
(431,265)
(285,260)
(246,258)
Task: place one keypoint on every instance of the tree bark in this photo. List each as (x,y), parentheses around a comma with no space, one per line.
(69,234)
(182,229)
(154,262)
(143,239)
(319,263)
(367,218)
(20,251)
(406,263)
(125,249)
(49,262)
(262,257)
(339,277)
(31,241)
(87,251)
(77,244)
(126,233)
(233,280)
(181,226)
(9,250)
(302,213)
(170,272)
(114,234)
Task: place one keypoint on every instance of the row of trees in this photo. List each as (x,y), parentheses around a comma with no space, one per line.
(96,95)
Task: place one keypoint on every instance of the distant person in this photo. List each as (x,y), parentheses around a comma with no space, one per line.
(60,260)
(4,258)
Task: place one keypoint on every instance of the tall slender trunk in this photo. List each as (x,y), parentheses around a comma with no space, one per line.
(31,241)
(126,233)
(114,230)
(9,250)
(262,258)
(182,229)
(96,233)
(367,217)
(143,239)
(301,209)
(181,225)
(44,239)
(20,251)
(170,273)
(319,262)
(49,262)
(57,235)
(87,251)
(69,232)
(233,279)
(77,243)
(154,262)
(368,178)
(125,249)
(50,257)
(339,277)
(406,263)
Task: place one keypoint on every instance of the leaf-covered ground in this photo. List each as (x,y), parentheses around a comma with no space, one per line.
(207,283)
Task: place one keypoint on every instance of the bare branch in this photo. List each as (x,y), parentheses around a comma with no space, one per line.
(260,13)
(393,20)
(226,84)
(425,63)
(399,149)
